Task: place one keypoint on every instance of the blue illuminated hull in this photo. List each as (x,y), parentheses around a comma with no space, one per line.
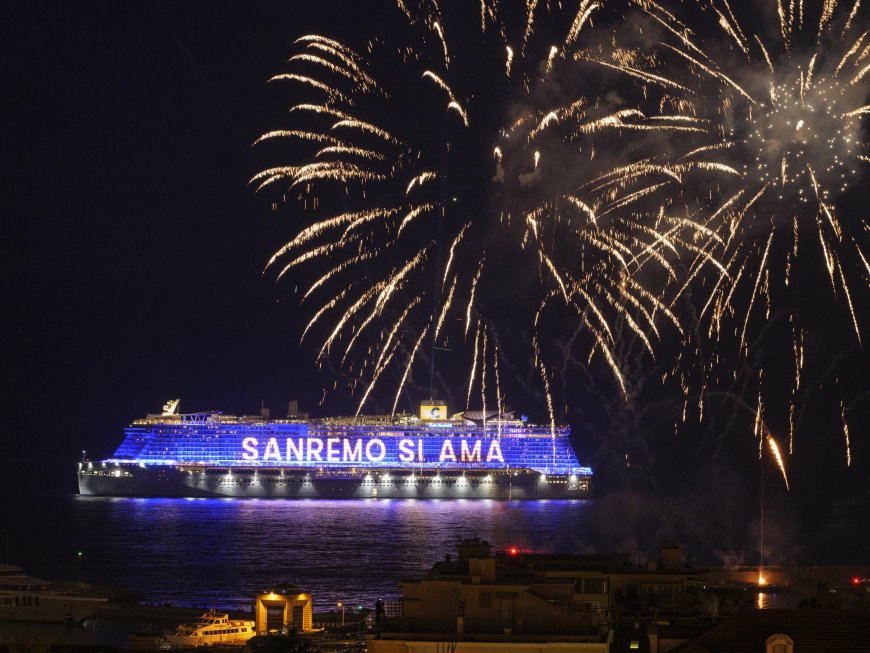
(191,481)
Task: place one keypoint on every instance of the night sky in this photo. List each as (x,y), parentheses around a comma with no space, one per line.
(134,248)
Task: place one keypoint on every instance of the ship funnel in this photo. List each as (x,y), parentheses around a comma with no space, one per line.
(171,406)
(434,411)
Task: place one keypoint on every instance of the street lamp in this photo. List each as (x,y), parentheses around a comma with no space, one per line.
(341,605)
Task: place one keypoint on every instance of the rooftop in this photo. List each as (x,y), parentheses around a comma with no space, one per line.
(820,631)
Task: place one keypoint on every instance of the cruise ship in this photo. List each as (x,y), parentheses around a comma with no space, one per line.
(468,455)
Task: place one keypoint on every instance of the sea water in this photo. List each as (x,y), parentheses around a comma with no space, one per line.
(222,552)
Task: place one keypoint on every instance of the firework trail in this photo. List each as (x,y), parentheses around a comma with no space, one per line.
(443,174)
(753,120)
(774,449)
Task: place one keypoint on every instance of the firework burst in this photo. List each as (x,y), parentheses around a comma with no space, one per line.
(754,121)
(443,174)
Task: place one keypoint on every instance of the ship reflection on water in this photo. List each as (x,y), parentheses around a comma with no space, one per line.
(221,552)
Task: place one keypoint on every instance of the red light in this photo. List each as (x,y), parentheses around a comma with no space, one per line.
(513,550)
(856,581)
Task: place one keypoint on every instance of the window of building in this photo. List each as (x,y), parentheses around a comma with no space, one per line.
(662,592)
(595,585)
(484,600)
(779,643)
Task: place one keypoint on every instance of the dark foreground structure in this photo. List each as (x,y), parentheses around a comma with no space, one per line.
(786,631)
(469,455)
(520,602)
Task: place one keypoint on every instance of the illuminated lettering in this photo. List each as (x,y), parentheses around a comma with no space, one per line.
(375,442)
(272,450)
(447,452)
(400,450)
(315,446)
(494,452)
(352,454)
(470,455)
(250,447)
(406,451)
(297,448)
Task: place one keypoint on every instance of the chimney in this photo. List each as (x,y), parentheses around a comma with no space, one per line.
(670,555)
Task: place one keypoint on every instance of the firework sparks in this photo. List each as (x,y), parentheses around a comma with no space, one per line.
(764,146)
(416,218)
(774,449)
(846,434)
(471,183)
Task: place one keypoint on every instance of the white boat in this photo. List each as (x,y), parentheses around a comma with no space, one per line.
(212,628)
(26,598)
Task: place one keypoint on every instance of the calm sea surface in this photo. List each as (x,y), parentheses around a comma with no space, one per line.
(221,552)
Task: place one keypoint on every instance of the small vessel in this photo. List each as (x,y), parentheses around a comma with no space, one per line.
(26,598)
(212,628)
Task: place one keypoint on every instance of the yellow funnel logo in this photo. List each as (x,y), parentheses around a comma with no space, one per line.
(433,411)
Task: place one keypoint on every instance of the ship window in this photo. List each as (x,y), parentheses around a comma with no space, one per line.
(484,600)
(37,601)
